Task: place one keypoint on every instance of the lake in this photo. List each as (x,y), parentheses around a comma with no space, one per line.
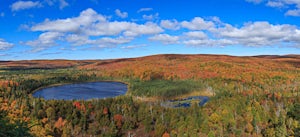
(85,91)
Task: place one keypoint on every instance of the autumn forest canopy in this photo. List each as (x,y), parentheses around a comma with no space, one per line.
(248,96)
(149,68)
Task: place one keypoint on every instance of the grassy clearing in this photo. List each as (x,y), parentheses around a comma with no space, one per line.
(165,88)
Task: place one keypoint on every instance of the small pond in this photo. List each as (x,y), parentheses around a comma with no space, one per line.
(186,102)
(85,91)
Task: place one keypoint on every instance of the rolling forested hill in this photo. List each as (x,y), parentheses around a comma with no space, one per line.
(248,96)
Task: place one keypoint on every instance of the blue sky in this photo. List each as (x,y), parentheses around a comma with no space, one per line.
(103,29)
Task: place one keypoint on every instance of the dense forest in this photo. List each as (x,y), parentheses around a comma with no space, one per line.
(249,96)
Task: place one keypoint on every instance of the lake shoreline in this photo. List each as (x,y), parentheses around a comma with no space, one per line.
(65,91)
(69,83)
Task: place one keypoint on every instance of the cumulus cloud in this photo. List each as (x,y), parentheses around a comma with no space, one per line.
(121,14)
(103,42)
(45,40)
(108,41)
(91,23)
(295,12)
(107,28)
(292,7)
(22,5)
(128,29)
(198,23)
(93,29)
(170,24)
(195,35)
(165,38)
(151,16)
(79,30)
(144,9)
(78,40)
(250,34)
(5,45)
(259,33)
(86,18)
(148,28)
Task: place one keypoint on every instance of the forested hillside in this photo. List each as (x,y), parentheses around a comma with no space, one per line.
(249,96)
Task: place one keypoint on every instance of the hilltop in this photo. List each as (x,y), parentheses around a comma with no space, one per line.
(94,64)
(176,66)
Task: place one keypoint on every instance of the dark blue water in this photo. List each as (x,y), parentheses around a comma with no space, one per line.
(85,91)
(203,100)
(185,102)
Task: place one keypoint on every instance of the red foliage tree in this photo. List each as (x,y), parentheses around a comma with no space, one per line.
(118,120)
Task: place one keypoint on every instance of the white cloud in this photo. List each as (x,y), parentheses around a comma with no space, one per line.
(22,5)
(165,38)
(295,12)
(127,28)
(121,14)
(144,9)
(107,28)
(92,24)
(151,17)
(86,18)
(133,46)
(78,40)
(258,33)
(110,42)
(277,4)
(45,40)
(216,20)
(5,45)
(250,34)
(144,29)
(292,7)
(209,42)
(255,1)
(93,29)
(198,24)
(283,3)
(103,42)
(170,24)
(50,39)
(195,35)
(63,4)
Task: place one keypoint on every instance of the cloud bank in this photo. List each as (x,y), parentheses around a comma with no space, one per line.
(90,28)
